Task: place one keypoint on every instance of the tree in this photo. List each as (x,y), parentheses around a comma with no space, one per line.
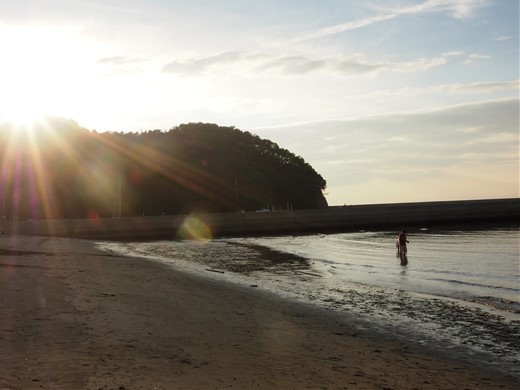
(60,170)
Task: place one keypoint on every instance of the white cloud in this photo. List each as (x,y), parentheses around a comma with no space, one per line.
(459,9)
(120,60)
(462,9)
(254,64)
(193,66)
(339,28)
(474,58)
(484,87)
(453,54)
(120,65)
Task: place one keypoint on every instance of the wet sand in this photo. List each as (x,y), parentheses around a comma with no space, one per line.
(74,317)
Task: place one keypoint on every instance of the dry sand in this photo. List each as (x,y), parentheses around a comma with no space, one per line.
(73,317)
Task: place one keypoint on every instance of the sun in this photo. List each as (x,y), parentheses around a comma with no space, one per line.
(24,114)
(24,77)
(21,112)
(43,72)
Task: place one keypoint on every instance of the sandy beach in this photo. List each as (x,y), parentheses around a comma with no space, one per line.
(74,317)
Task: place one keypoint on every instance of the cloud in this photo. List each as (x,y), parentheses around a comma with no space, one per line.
(294,65)
(474,58)
(484,87)
(503,38)
(459,9)
(463,9)
(414,145)
(441,89)
(200,65)
(339,28)
(359,65)
(453,54)
(118,65)
(119,60)
(465,151)
(251,63)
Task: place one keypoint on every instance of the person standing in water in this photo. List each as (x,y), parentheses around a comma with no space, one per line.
(402,241)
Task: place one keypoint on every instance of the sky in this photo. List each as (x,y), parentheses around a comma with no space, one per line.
(389,100)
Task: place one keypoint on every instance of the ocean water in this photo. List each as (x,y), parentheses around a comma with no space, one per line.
(474,266)
(459,292)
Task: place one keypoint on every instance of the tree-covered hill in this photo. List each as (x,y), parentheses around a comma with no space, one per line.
(59,170)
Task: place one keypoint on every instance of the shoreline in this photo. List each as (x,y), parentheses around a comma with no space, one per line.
(448,325)
(82,318)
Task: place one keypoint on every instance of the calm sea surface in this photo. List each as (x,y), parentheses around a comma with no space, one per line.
(475,266)
(460,290)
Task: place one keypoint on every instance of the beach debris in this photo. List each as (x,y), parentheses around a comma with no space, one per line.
(215,270)
(106,295)
(309,273)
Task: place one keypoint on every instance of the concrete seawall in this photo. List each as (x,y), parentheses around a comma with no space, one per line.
(343,218)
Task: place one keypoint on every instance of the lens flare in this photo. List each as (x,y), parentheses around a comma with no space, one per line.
(194,229)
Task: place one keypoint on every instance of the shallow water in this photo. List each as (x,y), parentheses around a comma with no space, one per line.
(477,266)
(459,293)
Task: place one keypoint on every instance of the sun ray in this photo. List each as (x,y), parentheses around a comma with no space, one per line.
(187,175)
(38,180)
(31,175)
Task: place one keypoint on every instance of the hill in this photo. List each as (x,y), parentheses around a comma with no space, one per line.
(59,170)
